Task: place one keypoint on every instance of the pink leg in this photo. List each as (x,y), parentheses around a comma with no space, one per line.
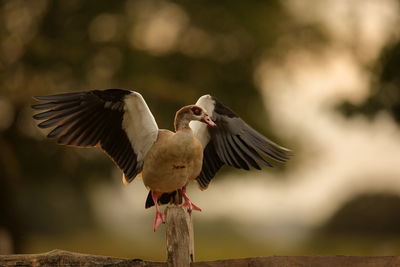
(160,217)
(189,204)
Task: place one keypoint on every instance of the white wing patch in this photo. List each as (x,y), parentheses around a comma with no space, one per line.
(139,124)
(200,129)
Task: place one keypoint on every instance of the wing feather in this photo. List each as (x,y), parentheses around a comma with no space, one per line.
(232,142)
(102,118)
(231,153)
(239,154)
(250,158)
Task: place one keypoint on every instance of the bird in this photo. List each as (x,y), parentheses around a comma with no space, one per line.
(206,136)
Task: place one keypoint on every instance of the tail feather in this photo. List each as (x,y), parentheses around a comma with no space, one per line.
(165,198)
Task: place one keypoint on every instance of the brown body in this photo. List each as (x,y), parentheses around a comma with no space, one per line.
(173,160)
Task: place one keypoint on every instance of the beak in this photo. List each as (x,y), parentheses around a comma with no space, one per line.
(207,120)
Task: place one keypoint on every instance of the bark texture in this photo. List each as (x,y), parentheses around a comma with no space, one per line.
(180,241)
(65,258)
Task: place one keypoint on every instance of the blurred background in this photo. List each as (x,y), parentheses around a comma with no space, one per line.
(319,77)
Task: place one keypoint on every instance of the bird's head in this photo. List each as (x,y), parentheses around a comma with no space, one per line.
(192,113)
(199,114)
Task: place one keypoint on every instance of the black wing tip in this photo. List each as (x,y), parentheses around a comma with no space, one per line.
(36,106)
(63,96)
(282,149)
(36,116)
(51,135)
(43,125)
(281,157)
(288,152)
(284,154)
(45,97)
(128,179)
(203,185)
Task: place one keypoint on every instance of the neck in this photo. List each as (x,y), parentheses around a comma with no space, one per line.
(181,122)
(182,126)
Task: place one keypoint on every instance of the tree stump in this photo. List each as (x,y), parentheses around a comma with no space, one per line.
(179,233)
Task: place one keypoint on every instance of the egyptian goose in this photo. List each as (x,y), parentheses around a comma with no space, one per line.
(207,136)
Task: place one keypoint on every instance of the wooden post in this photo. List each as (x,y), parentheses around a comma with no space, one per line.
(180,242)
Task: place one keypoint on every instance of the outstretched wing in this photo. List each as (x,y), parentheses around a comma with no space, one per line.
(233,142)
(119,121)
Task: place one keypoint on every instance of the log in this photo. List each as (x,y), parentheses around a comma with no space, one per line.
(300,261)
(179,233)
(65,258)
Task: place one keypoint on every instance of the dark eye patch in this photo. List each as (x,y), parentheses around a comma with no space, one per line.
(196,111)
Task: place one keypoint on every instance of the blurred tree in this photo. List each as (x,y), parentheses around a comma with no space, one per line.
(385,86)
(367,215)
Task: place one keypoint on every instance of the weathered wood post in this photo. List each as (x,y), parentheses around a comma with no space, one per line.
(179,232)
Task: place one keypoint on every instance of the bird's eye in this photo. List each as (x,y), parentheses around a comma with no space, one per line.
(196,111)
